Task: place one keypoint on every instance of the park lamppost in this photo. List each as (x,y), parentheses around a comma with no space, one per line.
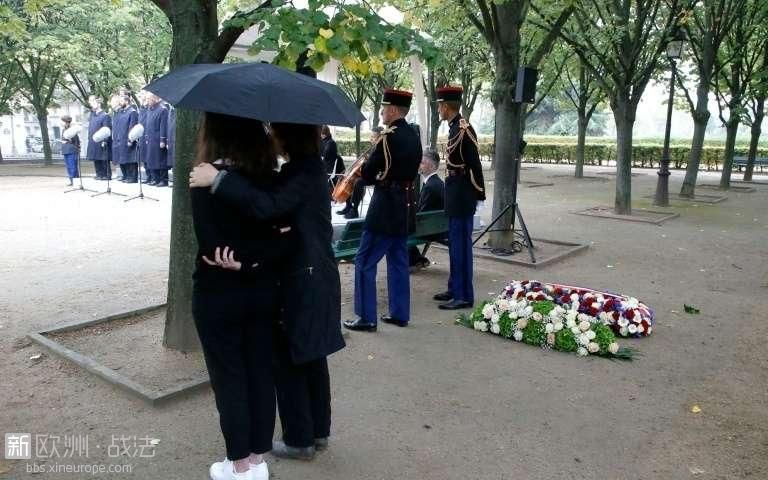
(674,52)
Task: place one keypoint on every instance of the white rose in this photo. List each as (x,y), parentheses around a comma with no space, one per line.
(650,329)
(528,311)
(582,352)
(476,325)
(640,329)
(574,297)
(558,326)
(488,310)
(601,299)
(522,323)
(633,302)
(518,335)
(632,328)
(502,305)
(591,334)
(513,315)
(584,339)
(623,331)
(537,316)
(623,322)
(495,318)
(570,323)
(554,314)
(483,326)
(593,347)
(613,348)
(575,330)
(583,317)
(495,329)
(549,328)
(584,325)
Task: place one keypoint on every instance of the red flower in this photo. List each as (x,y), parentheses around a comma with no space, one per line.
(565,299)
(608,305)
(593,311)
(558,291)
(629,314)
(616,316)
(520,294)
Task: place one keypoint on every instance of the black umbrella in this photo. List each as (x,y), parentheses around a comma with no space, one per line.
(257,90)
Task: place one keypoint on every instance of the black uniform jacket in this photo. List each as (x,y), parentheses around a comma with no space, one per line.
(392,209)
(464,184)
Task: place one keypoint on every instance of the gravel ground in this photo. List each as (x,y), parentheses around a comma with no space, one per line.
(435,400)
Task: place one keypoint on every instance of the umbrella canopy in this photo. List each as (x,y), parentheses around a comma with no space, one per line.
(257,90)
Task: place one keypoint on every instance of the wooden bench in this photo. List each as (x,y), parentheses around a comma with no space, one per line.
(741,162)
(430,227)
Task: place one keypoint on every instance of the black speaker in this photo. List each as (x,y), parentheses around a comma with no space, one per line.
(525,87)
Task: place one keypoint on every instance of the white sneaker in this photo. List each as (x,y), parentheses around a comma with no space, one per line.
(225,470)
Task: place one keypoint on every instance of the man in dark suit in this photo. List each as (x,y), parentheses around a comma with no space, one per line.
(124,119)
(431,197)
(392,168)
(99,153)
(464,187)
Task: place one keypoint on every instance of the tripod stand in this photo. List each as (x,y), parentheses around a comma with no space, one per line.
(81,188)
(109,191)
(522,234)
(141,195)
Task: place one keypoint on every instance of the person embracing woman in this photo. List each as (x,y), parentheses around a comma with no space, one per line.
(234,307)
(309,328)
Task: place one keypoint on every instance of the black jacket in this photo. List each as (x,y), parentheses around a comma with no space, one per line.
(330,153)
(262,246)
(392,208)
(95,151)
(310,285)
(432,195)
(461,194)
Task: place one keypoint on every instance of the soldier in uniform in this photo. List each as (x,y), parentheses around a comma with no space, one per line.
(464,187)
(155,138)
(391,168)
(124,119)
(99,153)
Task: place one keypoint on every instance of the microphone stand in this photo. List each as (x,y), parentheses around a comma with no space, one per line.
(81,188)
(141,195)
(108,191)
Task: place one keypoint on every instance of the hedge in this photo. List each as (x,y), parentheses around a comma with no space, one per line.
(643,156)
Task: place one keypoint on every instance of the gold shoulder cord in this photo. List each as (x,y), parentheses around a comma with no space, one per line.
(387,155)
(455,143)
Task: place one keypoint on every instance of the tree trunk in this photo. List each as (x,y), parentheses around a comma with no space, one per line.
(700,120)
(1,154)
(375,114)
(757,124)
(434,116)
(194,32)
(42,120)
(624,115)
(583,121)
(731,129)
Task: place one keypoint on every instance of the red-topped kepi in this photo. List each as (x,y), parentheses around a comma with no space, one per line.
(398,98)
(449,94)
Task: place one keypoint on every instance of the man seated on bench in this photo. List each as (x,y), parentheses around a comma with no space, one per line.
(431,197)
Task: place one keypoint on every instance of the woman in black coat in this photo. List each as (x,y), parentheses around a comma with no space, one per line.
(309,286)
(234,307)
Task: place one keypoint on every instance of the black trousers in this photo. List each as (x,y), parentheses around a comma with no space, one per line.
(130,171)
(160,175)
(414,255)
(303,396)
(358,192)
(235,328)
(103,168)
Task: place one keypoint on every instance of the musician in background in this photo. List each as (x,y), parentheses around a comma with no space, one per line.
(391,216)
(352,208)
(99,153)
(431,197)
(464,187)
(70,149)
(329,151)
(123,120)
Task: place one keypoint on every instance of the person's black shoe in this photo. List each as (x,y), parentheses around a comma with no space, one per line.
(394,321)
(321,444)
(161,184)
(344,210)
(443,297)
(358,325)
(132,180)
(152,183)
(455,305)
(352,214)
(281,450)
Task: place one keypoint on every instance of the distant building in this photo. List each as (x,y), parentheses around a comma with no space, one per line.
(20,134)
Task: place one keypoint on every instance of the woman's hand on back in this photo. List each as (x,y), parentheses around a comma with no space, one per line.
(224,259)
(202,175)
